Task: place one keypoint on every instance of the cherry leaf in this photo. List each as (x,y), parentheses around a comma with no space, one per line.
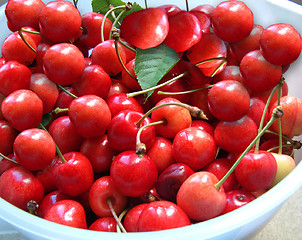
(102,6)
(46,119)
(152,64)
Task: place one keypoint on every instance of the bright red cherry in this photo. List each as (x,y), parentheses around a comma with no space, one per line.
(160,215)
(133,175)
(132,216)
(8,135)
(137,30)
(105,224)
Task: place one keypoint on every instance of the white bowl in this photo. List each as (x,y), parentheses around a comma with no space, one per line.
(240,224)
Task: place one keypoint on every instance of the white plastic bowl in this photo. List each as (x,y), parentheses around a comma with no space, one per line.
(240,224)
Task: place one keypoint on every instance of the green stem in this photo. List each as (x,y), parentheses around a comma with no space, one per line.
(277,147)
(109,202)
(276,114)
(120,218)
(283,136)
(69,93)
(7,158)
(184,92)
(25,41)
(157,86)
(60,110)
(220,66)
(57,148)
(210,60)
(125,45)
(116,21)
(279,121)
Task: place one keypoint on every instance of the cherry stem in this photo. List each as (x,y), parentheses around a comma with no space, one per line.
(25,41)
(29,31)
(60,110)
(283,136)
(120,217)
(75,3)
(109,202)
(265,110)
(146,4)
(119,56)
(133,94)
(187,5)
(57,148)
(7,158)
(104,19)
(277,147)
(277,113)
(194,111)
(184,92)
(279,121)
(116,21)
(69,93)
(125,44)
(141,147)
(220,66)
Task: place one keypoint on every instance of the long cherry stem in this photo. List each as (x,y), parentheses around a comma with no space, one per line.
(25,41)
(64,90)
(184,92)
(7,158)
(277,113)
(109,202)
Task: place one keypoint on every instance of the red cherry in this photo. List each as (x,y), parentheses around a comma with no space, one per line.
(129,81)
(60,21)
(256,171)
(99,153)
(170,9)
(194,147)
(256,109)
(65,135)
(18,186)
(280,44)
(67,212)
(231,72)
(63,63)
(75,176)
(205,8)
(105,224)
(64,100)
(23,109)
(160,215)
(237,199)
(14,76)
(133,175)
(90,115)
(100,192)
(8,135)
(226,23)
(116,88)
(137,30)
(199,198)
(203,125)
(132,216)
(183,36)
(21,14)
(7,164)
(34,149)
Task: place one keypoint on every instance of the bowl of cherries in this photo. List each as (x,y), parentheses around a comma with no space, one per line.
(148,119)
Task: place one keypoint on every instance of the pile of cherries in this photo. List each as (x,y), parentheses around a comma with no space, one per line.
(82,145)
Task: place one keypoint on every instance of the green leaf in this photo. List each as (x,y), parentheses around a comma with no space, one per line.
(152,64)
(102,6)
(46,119)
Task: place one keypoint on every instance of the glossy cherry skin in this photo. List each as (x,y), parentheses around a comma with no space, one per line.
(237,199)
(105,224)
(7,164)
(99,153)
(203,125)
(63,63)
(34,149)
(184,31)
(49,200)
(210,46)
(134,30)
(18,186)
(161,153)
(291,119)
(229,135)
(194,147)
(65,135)
(64,100)
(226,24)
(100,192)
(160,215)
(205,8)
(123,129)
(132,216)
(90,115)
(94,80)
(199,198)
(14,76)
(257,73)
(67,212)
(177,118)
(280,44)
(45,89)
(15,49)
(228,100)
(256,109)
(75,176)
(116,88)
(21,14)
(8,135)
(219,167)
(203,18)
(104,55)
(231,72)
(250,43)
(130,81)
(119,102)
(170,9)
(60,21)
(132,174)
(91,24)
(23,109)
(170,180)
(256,171)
